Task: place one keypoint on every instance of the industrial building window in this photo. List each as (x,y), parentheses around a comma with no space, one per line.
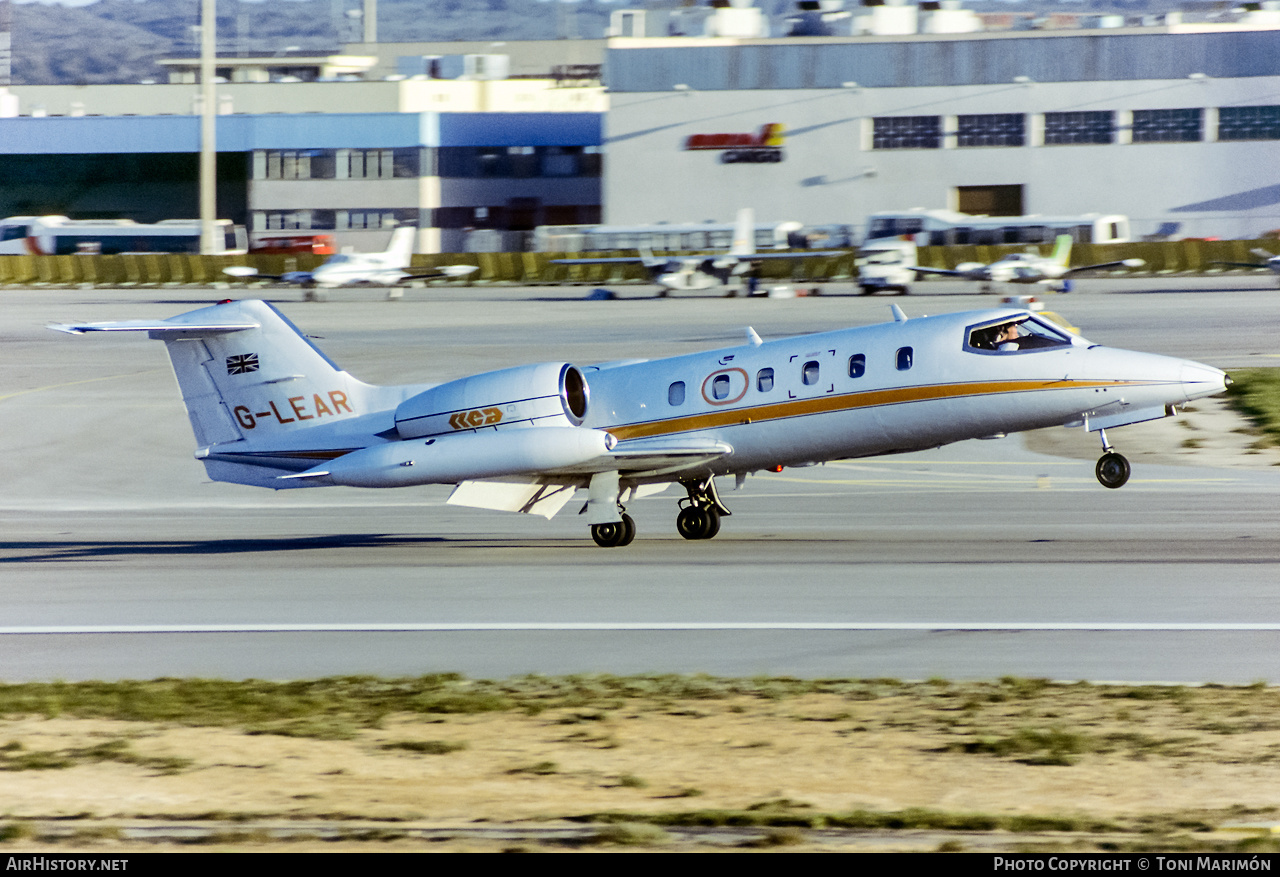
(1249,123)
(520,162)
(292,164)
(992,129)
(907,132)
(1167,126)
(386,217)
(1082,127)
(365,164)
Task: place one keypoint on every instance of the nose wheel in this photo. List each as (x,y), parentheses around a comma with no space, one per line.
(614,534)
(1112,469)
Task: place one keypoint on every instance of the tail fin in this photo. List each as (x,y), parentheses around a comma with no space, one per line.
(252,383)
(1062,250)
(401,246)
(744,233)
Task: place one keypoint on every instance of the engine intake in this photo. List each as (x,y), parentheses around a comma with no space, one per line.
(548,394)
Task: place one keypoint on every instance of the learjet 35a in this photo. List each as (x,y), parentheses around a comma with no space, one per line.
(705,272)
(270,410)
(356,269)
(1052,270)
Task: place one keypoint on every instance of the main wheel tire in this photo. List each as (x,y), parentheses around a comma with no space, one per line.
(689,522)
(1112,470)
(698,523)
(628,530)
(611,535)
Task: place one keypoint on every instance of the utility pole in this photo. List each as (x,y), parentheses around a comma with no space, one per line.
(208,130)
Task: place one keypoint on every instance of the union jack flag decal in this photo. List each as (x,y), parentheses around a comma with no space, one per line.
(242,364)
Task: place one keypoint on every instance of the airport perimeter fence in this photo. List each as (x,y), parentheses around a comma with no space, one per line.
(526,269)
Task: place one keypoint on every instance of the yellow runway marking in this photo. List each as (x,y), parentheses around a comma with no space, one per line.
(76,383)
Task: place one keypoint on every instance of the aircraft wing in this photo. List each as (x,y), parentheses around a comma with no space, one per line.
(666,454)
(603,260)
(443,271)
(1121,263)
(245,272)
(1263,265)
(947,272)
(800,254)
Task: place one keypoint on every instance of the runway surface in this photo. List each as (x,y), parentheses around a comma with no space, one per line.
(120,560)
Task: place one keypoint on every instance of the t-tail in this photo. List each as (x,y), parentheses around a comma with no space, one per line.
(1062,250)
(261,398)
(401,247)
(744,233)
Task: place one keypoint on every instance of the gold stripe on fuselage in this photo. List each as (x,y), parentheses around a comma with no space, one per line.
(843,402)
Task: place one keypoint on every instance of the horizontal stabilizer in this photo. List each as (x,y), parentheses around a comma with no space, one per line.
(163,327)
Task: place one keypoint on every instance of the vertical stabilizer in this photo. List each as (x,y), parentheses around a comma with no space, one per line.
(401,248)
(744,233)
(1062,250)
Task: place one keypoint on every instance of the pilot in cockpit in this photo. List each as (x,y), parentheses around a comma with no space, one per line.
(1007,337)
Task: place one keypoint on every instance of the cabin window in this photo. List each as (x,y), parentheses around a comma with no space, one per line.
(764,380)
(675,393)
(720,387)
(857,365)
(809,374)
(905,358)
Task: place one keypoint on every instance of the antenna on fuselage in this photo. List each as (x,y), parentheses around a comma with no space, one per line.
(752,338)
(898,315)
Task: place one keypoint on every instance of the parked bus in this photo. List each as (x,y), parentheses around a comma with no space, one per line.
(59,236)
(947,228)
(690,237)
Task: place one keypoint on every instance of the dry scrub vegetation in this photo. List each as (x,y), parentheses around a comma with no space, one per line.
(444,762)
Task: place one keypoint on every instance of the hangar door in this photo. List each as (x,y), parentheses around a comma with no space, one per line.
(989,200)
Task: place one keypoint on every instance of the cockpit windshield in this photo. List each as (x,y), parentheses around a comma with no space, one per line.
(1016,334)
(338,259)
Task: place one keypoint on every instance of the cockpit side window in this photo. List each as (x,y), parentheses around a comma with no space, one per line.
(1017,334)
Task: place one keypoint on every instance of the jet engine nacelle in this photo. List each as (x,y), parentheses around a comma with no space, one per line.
(549,394)
(469,457)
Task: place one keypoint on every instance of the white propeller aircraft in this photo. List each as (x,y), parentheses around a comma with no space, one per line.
(352,269)
(1051,270)
(704,272)
(1270,261)
(270,410)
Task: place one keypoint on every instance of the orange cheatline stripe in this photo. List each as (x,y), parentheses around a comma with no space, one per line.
(844,402)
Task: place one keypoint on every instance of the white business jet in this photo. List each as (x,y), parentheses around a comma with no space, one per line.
(704,272)
(354,269)
(1051,270)
(270,410)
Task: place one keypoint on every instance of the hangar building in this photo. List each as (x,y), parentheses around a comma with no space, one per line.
(1176,126)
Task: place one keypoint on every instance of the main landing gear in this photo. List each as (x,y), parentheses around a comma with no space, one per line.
(614,534)
(1112,469)
(700,518)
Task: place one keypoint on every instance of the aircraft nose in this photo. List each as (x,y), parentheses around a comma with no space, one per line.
(1203,380)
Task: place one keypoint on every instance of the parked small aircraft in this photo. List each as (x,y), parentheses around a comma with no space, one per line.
(705,272)
(1270,261)
(269,409)
(350,269)
(1029,267)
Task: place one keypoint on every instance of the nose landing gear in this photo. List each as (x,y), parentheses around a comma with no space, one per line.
(1112,469)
